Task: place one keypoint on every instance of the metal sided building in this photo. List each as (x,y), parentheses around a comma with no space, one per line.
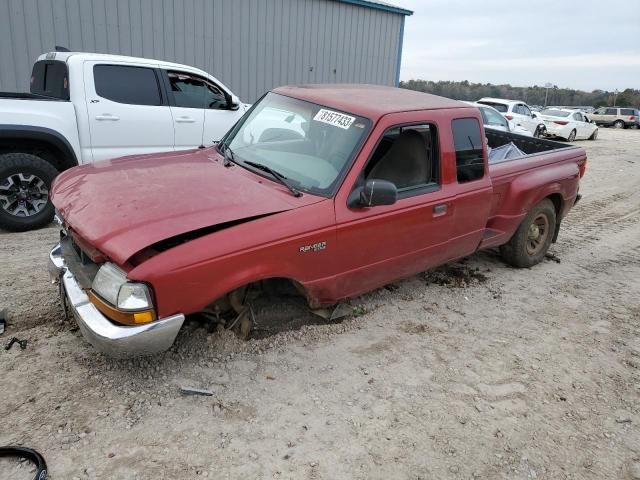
(251,45)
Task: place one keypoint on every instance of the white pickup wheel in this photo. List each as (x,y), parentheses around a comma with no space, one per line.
(532,239)
(25,180)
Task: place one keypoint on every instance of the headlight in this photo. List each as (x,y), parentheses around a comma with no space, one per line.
(120,300)
(134,296)
(108,281)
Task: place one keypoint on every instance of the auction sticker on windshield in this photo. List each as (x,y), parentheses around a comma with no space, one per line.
(334,118)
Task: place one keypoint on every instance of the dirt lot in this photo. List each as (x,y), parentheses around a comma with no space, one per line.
(473,371)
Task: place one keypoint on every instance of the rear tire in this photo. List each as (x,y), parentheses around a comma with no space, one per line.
(572,136)
(25,181)
(618,124)
(532,239)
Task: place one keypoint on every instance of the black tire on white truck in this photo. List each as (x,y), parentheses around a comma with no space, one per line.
(25,180)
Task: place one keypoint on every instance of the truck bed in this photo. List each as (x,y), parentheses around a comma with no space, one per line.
(529,145)
(518,182)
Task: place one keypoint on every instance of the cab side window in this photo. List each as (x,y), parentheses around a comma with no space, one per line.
(127,84)
(191,91)
(524,110)
(408,157)
(468,144)
(578,117)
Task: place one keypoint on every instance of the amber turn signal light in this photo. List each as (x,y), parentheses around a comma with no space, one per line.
(125,318)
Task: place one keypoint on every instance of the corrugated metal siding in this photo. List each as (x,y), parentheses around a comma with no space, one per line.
(251,45)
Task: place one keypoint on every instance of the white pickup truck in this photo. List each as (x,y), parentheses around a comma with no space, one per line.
(85,107)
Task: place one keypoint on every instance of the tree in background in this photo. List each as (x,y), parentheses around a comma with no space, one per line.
(532,95)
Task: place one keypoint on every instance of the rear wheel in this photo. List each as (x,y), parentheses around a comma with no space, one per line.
(618,124)
(572,136)
(532,239)
(24,191)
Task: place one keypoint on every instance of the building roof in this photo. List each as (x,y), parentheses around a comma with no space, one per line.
(371,101)
(379,5)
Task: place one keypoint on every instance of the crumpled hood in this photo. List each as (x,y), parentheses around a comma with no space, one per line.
(122,206)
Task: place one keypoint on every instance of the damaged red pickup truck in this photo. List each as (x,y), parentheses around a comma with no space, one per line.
(339,189)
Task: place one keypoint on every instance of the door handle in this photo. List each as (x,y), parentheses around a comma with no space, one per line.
(107,116)
(440,209)
(185,120)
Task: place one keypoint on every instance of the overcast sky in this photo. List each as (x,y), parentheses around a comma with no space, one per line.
(584,44)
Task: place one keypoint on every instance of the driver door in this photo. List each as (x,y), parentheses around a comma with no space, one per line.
(382,243)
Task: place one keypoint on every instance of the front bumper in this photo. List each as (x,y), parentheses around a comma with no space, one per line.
(114,340)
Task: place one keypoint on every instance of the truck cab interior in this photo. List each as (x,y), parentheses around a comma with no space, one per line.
(407,157)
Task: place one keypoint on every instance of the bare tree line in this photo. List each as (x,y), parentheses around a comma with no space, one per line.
(535,95)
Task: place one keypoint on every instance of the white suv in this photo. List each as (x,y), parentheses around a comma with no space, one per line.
(519,113)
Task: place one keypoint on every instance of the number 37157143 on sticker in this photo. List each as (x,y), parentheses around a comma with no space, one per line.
(336,119)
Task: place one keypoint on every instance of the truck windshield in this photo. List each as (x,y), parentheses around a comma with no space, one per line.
(309,144)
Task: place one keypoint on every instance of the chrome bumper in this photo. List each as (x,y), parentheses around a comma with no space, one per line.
(114,340)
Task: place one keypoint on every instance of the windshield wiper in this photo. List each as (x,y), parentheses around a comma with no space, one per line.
(227,153)
(277,175)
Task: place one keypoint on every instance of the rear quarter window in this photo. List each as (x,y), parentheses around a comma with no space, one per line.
(501,107)
(627,111)
(49,78)
(467,139)
(126,84)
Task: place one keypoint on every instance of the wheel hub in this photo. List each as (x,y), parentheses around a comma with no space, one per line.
(534,232)
(23,194)
(537,234)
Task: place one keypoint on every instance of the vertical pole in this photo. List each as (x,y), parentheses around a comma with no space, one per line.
(399,55)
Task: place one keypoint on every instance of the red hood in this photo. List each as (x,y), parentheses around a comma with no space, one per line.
(124,205)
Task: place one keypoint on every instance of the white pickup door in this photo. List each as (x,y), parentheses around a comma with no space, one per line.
(126,110)
(202,110)
(144,108)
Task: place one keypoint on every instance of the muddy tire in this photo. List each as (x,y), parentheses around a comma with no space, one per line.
(25,181)
(531,241)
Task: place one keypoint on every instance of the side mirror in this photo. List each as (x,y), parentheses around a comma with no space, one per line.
(374,193)
(234,103)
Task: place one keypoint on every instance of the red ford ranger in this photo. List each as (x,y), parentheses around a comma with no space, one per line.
(339,189)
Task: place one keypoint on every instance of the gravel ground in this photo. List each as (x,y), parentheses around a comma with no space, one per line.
(475,370)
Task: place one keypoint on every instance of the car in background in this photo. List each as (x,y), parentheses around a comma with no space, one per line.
(518,112)
(492,118)
(568,124)
(583,108)
(618,117)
